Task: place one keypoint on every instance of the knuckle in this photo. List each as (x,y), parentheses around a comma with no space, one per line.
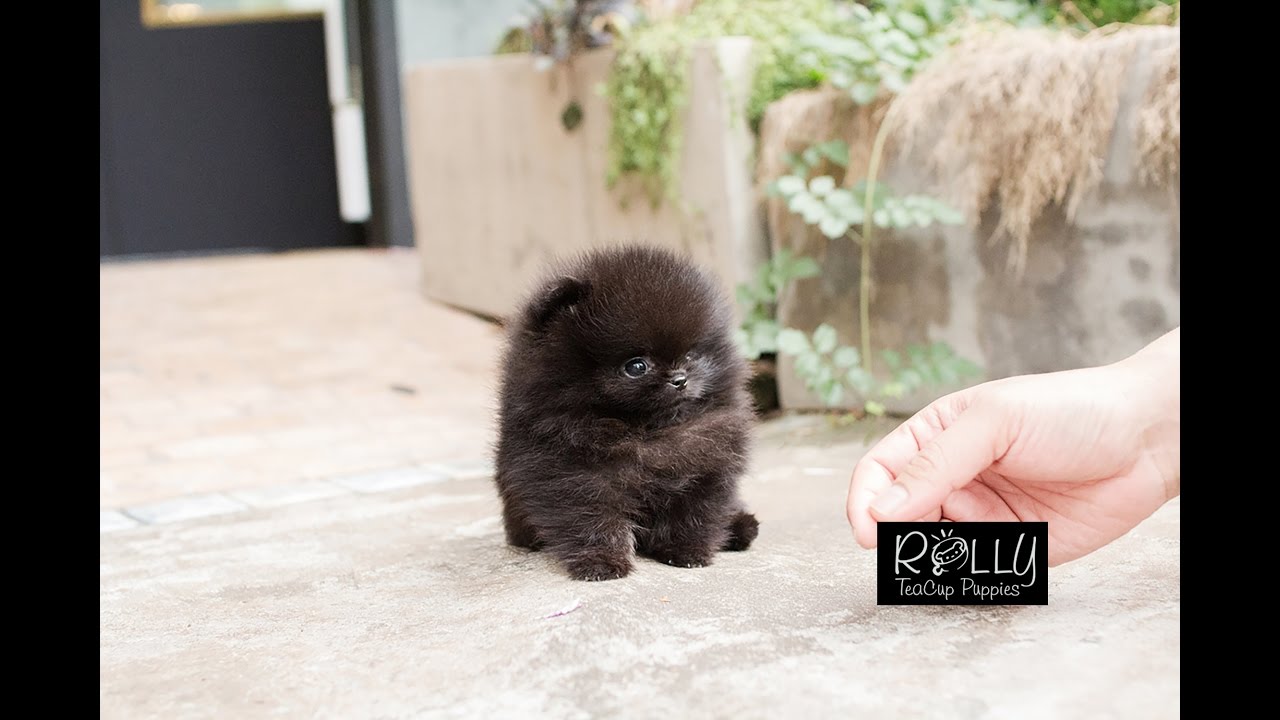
(927,466)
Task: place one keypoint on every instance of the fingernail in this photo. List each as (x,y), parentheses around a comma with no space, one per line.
(890,500)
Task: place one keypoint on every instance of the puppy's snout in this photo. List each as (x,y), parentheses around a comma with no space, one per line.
(678,380)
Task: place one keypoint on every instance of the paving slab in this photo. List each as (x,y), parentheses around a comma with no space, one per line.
(406,603)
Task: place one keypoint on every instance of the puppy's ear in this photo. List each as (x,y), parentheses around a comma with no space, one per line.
(557,297)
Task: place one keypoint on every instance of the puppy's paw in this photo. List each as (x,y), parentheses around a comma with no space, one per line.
(743,529)
(599,567)
(684,558)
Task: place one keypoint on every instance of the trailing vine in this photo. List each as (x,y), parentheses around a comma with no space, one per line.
(648,85)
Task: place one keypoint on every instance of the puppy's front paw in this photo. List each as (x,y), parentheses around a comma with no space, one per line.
(599,567)
(684,558)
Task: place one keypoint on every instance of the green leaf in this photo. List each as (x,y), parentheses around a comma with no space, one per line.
(841,79)
(910,379)
(804,267)
(874,408)
(860,379)
(764,336)
(930,373)
(788,184)
(802,201)
(822,185)
(851,214)
(892,358)
(810,156)
(824,338)
(911,24)
(880,193)
(916,355)
(845,357)
(833,393)
(901,42)
(840,47)
(764,281)
(841,198)
(833,226)
(881,218)
(861,12)
(935,10)
(967,369)
(947,374)
(807,364)
(894,389)
(792,341)
(837,151)
(948,215)
(900,217)
(864,93)
(821,375)
(897,59)
(814,213)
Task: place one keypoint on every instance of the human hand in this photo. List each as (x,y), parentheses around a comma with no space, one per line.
(1093,452)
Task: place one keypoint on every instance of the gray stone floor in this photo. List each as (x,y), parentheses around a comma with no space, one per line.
(297,521)
(403,602)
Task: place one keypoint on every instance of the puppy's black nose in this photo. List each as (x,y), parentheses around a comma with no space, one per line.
(678,380)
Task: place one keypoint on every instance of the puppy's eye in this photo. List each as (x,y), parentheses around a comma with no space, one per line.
(635,367)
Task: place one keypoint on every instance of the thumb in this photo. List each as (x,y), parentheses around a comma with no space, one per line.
(946,463)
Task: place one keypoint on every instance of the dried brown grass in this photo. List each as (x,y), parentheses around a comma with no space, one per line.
(1160,119)
(1018,120)
(1023,119)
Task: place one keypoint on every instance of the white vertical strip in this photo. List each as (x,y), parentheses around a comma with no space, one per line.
(348,120)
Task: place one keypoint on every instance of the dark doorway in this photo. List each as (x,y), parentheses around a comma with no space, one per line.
(215,138)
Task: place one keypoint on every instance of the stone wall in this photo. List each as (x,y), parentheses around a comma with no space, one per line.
(498,185)
(1094,289)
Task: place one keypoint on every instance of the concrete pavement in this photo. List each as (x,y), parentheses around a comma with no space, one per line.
(286,532)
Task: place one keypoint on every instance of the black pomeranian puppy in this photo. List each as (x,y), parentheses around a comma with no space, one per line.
(625,421)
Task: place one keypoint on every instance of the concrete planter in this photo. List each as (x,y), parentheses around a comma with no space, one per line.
(1094,290)
(499,185)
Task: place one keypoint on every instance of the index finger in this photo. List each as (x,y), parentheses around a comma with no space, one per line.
(882,464)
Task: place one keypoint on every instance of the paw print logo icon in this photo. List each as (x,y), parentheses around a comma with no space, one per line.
(949,550)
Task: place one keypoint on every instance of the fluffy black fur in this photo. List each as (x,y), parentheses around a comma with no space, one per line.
(595,464)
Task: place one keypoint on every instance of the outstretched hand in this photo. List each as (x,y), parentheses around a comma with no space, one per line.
(1093,452)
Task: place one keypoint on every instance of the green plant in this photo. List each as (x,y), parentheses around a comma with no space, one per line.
(827,368)
(1096,13)
(553,30)
(891,40)
(647,86)
(797,44)
(758,334)
(836,209)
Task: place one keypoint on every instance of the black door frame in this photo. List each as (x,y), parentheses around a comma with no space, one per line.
(390,220)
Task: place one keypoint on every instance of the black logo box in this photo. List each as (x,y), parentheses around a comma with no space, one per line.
(960,563)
